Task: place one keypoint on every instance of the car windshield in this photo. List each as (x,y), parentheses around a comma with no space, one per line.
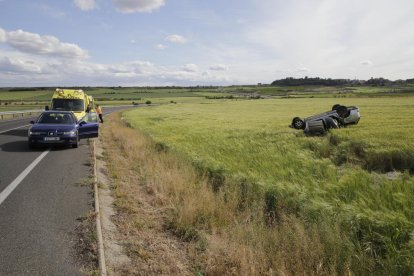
(68,104)
(55,118)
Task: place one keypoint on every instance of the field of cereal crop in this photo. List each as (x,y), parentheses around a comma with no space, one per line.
(361,175)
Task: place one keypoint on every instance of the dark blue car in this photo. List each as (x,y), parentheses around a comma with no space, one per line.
(61,128)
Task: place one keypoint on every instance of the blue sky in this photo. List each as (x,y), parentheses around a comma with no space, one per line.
(199,42)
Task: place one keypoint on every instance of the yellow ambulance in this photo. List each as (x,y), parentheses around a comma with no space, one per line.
(72,100)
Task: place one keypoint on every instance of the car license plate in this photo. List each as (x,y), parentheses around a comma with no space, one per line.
(51,138)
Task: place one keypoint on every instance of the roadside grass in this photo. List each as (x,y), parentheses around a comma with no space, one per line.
(86,244)
(220,234)
(142,208)
(87,181)
(245,149)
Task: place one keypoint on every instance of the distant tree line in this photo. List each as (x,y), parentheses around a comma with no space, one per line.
(310,81)
(337,82)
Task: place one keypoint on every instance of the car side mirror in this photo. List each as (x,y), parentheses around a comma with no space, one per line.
(81,123)
(32,122)
(46,107)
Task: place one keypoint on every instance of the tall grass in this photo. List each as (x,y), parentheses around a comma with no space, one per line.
(226,231)
(313,179)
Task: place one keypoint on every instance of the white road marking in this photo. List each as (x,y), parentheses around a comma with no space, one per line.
(9,189)
(13,129)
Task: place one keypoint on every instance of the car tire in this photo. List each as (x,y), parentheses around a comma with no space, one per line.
(298,123)
(342,111)
(31,145)
(76,143)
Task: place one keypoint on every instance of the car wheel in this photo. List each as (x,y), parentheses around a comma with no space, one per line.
(298,123)
(31,145)
(76,143)
(342,111)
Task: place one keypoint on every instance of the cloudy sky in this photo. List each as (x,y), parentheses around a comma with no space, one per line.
(202,42)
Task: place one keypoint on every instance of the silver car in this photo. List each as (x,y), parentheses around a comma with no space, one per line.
(339,116)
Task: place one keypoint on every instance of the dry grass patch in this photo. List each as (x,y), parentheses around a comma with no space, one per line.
(142,208)
(173,221)
(86,244)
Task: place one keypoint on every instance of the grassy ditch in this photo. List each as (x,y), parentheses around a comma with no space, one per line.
(283,179)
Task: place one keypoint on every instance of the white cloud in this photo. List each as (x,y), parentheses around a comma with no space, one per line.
(218,67)
(303,69)
(2,35)
(16,65)
(41,45)
(366,62)
(332,37)
(176,39)
(190,67)
(22,69)
(160,46)
(85,5)
(132,6)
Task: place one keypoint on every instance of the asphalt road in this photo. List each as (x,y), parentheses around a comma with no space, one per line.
(41,201)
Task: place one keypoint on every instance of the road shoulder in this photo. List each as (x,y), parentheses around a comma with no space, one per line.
(112,259)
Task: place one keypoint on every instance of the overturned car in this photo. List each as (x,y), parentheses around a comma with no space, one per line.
(339,116)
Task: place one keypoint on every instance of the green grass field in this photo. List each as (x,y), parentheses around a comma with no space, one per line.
(14,99)
(339,176)
(142,94)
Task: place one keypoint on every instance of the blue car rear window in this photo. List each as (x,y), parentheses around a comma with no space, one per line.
(55,118)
